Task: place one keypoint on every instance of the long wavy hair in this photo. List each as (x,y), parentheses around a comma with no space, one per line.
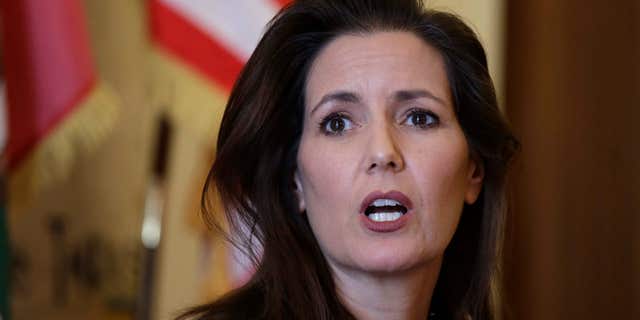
(258,142)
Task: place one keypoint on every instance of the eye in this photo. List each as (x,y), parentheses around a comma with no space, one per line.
(335,124)
(421,118)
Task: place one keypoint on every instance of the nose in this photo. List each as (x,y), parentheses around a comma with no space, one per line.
(383,153)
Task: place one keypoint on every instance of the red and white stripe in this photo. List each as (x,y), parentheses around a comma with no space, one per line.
(215,37)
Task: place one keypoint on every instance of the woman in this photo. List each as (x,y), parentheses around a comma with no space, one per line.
(364,147)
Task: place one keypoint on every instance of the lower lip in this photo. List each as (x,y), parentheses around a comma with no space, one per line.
(384,226)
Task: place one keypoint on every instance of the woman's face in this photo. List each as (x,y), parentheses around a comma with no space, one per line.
(383,166)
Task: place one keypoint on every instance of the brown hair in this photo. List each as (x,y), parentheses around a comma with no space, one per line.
(256,159)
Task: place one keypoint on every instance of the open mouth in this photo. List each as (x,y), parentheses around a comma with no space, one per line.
(381,207)
(382,210)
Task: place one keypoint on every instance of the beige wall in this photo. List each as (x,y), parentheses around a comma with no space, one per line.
(487,18)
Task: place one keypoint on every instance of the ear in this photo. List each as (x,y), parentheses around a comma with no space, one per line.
(475,177)
(299,192)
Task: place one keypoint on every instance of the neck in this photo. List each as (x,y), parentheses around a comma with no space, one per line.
(402,295)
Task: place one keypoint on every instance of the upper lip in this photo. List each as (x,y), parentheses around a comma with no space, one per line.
(393,195)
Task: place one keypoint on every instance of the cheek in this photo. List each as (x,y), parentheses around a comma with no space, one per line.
(440,171)
(327,183)
(324,175)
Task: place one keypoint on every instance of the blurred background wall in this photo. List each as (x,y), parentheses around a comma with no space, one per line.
(567,75)
(573,95)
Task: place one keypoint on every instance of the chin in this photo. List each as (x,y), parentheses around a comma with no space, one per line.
(391,261)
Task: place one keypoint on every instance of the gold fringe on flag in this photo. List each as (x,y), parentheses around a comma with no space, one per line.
(53,159)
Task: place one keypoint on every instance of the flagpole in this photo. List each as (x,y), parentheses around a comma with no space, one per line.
(151,232)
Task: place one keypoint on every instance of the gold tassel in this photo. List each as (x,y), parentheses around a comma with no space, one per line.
(54,157)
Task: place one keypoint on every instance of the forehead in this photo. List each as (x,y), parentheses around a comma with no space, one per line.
(377,64)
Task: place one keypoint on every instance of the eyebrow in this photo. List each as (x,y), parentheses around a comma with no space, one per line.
(340,96)
(407,95)
(398,96)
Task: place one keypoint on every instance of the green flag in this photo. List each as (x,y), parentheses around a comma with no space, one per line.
(4,263)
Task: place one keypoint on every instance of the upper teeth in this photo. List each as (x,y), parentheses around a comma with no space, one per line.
(385,203)
(385,216)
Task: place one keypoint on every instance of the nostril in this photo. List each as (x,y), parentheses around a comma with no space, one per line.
(385,161)
(386,165)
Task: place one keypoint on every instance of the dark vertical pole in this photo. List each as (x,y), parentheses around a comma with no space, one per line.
(152,221)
